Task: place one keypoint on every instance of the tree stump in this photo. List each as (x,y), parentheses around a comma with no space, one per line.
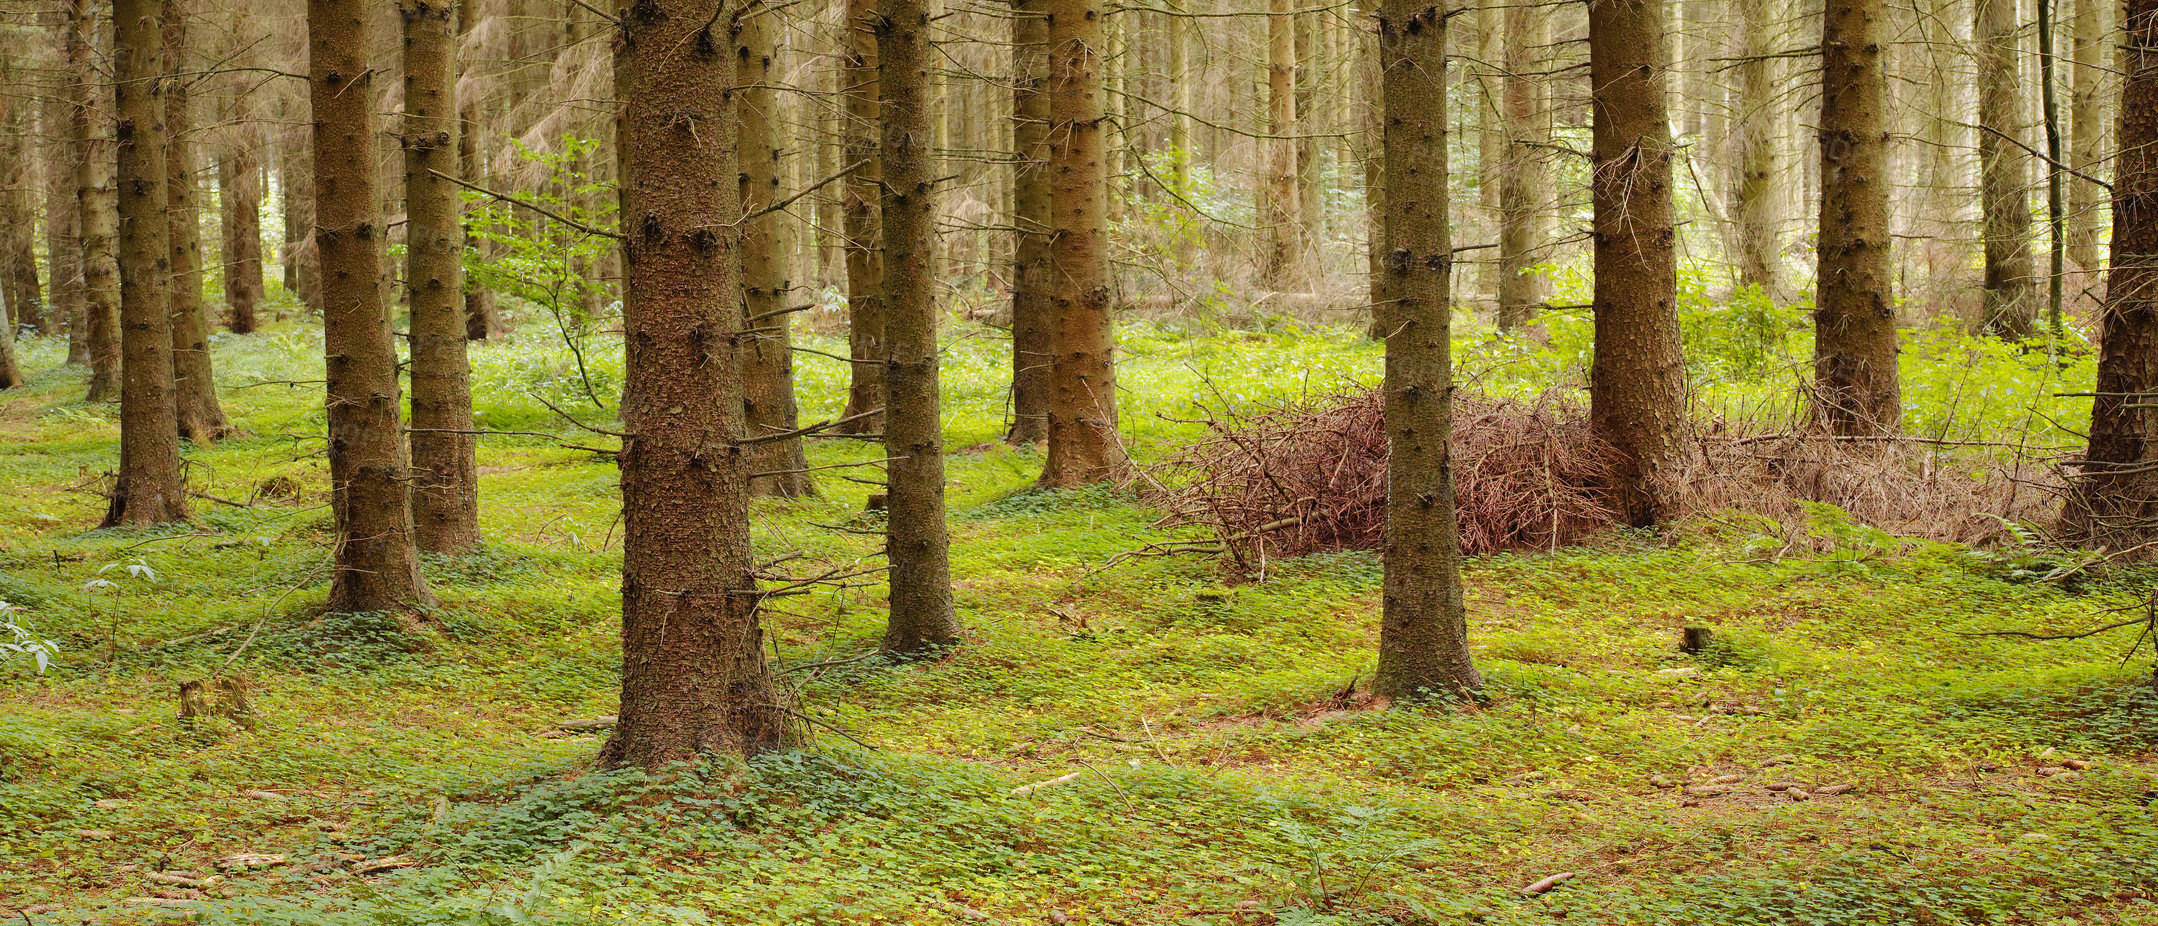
(232,701)
(1696,640)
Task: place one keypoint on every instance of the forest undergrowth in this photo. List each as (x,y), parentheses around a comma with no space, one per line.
(1157,741)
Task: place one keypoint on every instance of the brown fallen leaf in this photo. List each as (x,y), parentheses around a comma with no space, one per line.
(1548,883)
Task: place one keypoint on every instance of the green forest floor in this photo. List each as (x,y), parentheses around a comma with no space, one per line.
(405,775)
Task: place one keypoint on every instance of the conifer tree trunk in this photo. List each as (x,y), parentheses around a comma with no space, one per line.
(2115,500)
(483,312)
(2086,117)
(1523,185)
(149,489)
(2011,296)
(1083,443)
(201,417)
(1282,262)
(1182,32)
(377,565)
(239,188)
(300,257)
(922,617)
(445,484)
(865,256)
(63,244)
(1371,135)
(1310,123)
(22,301)
(1423,631)
(767,243)
(1637,387)
(98,200)
(1759,193)
(1854,318)
(694,677)
(1032,308)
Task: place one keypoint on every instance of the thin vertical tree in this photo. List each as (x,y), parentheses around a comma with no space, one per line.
(377,564)
(1083,443)
(2087,132)
(483,312)
(63,236)
(201,417)
(1522,180)
(239,190)
(865,257)
(2011,292)
(916,543)
(150,488)
(1031,222)
(97,199)
(1856,391)
(1281,266)
(21,301)
(1371,143)
(694,676)
(1758,194)
(2114,500)
(1637,384)
(1423,630)
(445,466)
(781,464)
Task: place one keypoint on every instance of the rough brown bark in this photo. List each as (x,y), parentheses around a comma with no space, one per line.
(1371,136)
(239,190)
(1854,319)
(1759,204)
(922,618)
(1523,184)
(149,489)
(2011,294)
(63,244)
(694,678)
(1083,444)
(21,291)
(1282,265)
(201,418)
(767,243)
(865,256)
(1032,320)
(483,311)
(2115,501)
(2086,116)
(446,482)
(377,565)
(97,199)
(1637,387)
(1310,125)
(299,257)
(1423,630)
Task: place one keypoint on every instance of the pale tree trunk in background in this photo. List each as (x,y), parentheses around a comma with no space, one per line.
(1423,632)
(1032,321)
(2115,500)
(483,312)
(1083,442)
(1946,189)
(63,244)
(2004,173)
(2086,116)
(1183,32)
(831,127)
(768,352)
(1637,386)
(694,677)
(1524,187)
(1310,203)
(445,469)
(239,190)
(1489,114)
(1854,319)
(865,258)
(1759,205)
(1115,143)
(1281,265)
(97,200)
(377,564)
(201,418)
(301,260)
(916,544)
(1370,137)
(149,489)
(22,298)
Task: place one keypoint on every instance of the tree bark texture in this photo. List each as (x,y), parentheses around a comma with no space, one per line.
(1032,305)
(865,255)
(97,198)
(201,417)
(1523,183)
(1854,318)
(1283,262)
(2086,145)
(149,489)
(2004,170)
(1760,192)
(767,244)
(239,188)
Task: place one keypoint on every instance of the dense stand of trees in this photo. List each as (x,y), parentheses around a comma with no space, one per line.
(1049,161)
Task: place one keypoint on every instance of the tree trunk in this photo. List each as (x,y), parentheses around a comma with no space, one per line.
(1310,124)
(1854,318)
(1523,184)
(1371,136)
(2115,500)
(1032,284)
(1637,387)
(63,236)
(1083,443)
(239,187)
(446,482)
(299,257)
(865,256)
(483,312)
(21,296)
(694,678)
(149,489)
(768,351)
(201,418)
(377,565)
(1423,632)
(97,199)
(2086,116)
(1182,36)
(1759,194)
(1282,269)
(922,618)
(2011,298)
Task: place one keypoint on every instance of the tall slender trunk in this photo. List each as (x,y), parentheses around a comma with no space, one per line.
(768,350)
(1115,143)
(1423,630)
(2086,117)
(831,129)
(22,299)
(300,256)
(483,312)
(1489,118)
(1083,442)
(2115,500)
(149,489)
(922,617)
(377,565)
(1310,124)
(63,236)
(201,418)
(446,482)
(865,256)
(1182,35)
(97,199)
(1637,386)
(1032,307)
(1760,191)
(694,678)
(1523,184)
(1283,263)
(1370,135)
(2011,303)
(1854,319)
(239,188)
